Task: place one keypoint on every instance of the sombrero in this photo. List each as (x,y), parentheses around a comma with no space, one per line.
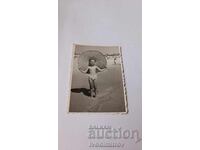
(83,59)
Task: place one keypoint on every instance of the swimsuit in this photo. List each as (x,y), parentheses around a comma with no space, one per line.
(92,72)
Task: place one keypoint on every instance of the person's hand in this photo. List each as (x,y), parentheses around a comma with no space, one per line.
(79,68)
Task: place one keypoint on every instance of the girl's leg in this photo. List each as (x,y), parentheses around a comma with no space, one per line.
(95,87)
(90,84)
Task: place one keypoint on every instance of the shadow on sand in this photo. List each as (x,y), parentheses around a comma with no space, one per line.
(85,91)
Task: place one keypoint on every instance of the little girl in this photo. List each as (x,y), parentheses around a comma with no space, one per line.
(92,71)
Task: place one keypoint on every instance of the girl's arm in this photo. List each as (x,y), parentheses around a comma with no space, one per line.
(99,69)
(85,71)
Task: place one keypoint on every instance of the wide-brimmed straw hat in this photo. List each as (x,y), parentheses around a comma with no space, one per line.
(85,57)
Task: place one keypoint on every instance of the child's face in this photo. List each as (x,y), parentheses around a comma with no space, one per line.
(92,62)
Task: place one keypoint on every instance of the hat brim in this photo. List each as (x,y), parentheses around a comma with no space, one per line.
(83,60)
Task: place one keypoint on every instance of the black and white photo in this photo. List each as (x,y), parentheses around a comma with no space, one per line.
(97,80)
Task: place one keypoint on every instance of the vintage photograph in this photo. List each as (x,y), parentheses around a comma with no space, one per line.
(97,80)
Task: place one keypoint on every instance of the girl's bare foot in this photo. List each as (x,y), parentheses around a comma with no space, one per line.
(92,93)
